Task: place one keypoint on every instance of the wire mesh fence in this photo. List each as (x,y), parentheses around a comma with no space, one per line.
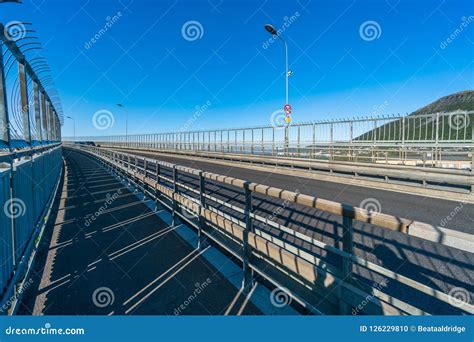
(438,139)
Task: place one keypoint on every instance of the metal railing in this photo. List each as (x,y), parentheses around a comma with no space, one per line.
(27,189)
(30,112)
(431,138)
(278,252)
(30,157)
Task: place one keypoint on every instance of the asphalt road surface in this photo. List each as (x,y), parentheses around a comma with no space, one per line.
(410,206)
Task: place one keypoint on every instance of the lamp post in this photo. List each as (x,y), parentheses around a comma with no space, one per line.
(270,29)
(73,126)
(126,122)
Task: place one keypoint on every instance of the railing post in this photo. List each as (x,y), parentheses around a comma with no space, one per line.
(437,140)
(175,191)
(331,151)
(157,173)
(247,280)
(39,137)
(128,169)
(44,126)
(347,246)
(273,141)
(403,141)
(472,167)
(135,172)
(24,103)
(202,199)
(144,176)
(299,141)
(4,121)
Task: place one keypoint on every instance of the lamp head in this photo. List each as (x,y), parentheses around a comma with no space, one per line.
(270,29)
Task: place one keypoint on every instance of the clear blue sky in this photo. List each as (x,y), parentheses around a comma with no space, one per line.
(144,62)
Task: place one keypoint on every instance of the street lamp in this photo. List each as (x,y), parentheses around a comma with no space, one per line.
(270,29)
(126,121)
(74,126)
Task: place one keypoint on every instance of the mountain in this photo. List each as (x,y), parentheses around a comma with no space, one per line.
(464,100)
(457,126)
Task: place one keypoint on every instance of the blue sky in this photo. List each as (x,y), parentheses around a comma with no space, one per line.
(143,61)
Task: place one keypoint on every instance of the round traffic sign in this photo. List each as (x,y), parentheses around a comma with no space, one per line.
(287,108)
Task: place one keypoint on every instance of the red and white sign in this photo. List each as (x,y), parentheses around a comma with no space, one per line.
(287,108)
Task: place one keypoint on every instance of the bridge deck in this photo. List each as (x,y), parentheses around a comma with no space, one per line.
(106,252)
(429,263)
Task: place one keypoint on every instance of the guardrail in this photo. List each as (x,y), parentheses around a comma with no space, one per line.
(438,139)
(28,117)
(285,256)
(30,156)
(426,177)
(27,190)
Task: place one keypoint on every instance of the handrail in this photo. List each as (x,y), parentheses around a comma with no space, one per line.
(451,179)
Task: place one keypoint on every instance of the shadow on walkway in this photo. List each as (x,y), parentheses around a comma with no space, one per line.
(105,252)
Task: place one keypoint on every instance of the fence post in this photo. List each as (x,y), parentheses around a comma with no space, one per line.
(247,280)
(299,141)
(331,151)
(472,167)
(135,172)
(144,176)
(157,172)
(202,199)
(128,169)
(403,141)
(347,246)
(4,121)
(175,191)
(273,141)
(24,103)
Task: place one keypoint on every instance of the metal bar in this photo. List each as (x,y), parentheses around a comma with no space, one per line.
(24,103)
(4,120)
(202,200)
(39,136)
(247,281)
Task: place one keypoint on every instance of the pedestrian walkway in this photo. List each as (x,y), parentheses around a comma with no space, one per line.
(105,251)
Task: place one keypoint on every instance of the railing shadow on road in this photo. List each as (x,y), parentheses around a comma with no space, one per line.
(370,242)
